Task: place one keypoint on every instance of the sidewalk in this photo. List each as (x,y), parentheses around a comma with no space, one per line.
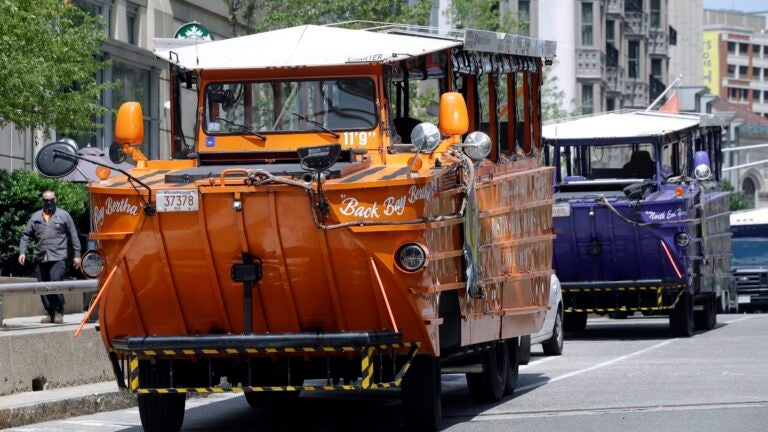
(73,374)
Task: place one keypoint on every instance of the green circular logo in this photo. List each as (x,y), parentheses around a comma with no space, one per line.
(193,31)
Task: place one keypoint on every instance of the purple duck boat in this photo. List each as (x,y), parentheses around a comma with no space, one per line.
(642,223)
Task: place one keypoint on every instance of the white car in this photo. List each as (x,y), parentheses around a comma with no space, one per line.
(551,334)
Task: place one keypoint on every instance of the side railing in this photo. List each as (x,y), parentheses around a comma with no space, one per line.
(42,288)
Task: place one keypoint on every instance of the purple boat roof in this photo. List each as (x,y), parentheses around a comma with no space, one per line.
(619,128)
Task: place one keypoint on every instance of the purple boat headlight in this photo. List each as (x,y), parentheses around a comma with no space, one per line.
(702,170)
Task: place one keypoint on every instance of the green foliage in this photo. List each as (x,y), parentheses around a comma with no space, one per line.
(275,15)
(48,66)
(738,200)
(20,197)
(481,15)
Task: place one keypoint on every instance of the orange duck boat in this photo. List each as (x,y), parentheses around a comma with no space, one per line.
(315,235)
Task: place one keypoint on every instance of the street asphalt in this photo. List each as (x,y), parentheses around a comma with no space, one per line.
(619,375)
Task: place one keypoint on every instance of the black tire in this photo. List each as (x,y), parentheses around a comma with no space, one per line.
(681,318)
(513,370)
(554,345)
(159,412)
(421,393)
(489,385)
(706,319)
(524,350)
(575,322)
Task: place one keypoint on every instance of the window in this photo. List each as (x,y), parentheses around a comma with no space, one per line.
(132,23)
(655,14)
(765,51)
(586,24)
(731,48)
(290,106)
(756,96)
(755,73)
(98,8)
(634,59)
(587,99)
(731,71)
(756,50)
(656,68)
(610,31)
(765,96)
(743,72)
(524,16)
(743,49)
(610,104)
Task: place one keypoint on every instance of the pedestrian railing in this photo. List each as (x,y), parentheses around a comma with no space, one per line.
(42,288)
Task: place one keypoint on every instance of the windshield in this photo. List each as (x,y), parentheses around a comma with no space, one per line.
(579,163)
(289,106)
(750,251)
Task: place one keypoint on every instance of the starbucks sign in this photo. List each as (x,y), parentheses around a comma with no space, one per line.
(193,31)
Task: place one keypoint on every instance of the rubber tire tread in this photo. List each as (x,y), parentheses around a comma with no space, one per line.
(707,318)
(513,370)
(159,412)
(421,394)
(681,318)
(524,350)
(489,385)
(554,345)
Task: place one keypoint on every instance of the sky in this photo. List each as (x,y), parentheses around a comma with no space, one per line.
(739,5)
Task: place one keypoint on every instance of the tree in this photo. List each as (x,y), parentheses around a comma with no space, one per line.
(486,15)
(738,200)
(275,15)
(48,66)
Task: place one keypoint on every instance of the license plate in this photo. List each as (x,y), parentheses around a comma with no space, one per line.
(561,210)
(745,299)
(177,200)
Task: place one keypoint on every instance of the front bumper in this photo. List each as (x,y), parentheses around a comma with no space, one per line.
(383,358)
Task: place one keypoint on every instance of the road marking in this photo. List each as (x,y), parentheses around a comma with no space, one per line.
(618,410)
(738,319)
(539,361)
(591,368)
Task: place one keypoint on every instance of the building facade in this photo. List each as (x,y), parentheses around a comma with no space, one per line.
(131,26)
(737,43)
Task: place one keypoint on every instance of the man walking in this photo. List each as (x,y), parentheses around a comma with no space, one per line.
(50,228)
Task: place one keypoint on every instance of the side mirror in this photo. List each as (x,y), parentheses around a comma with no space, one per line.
(426,137)
(57,159)
(477,145)
(453,119)
(129,131)
(702,169)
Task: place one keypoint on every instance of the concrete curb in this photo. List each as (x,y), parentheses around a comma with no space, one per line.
(74,406)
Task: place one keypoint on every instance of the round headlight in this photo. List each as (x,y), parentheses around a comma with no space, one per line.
(92,264)
(411,257)
(477,145)
(682,239)
(702,172)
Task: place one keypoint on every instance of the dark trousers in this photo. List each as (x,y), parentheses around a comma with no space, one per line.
(47,272)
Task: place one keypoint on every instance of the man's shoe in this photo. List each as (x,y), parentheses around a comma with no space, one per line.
(58,318)
(46,320)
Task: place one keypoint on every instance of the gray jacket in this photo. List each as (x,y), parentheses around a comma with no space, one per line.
(50,238)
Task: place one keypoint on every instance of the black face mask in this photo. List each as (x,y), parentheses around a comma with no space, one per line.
(49,207)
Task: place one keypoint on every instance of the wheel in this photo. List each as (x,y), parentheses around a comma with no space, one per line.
(421,394)
(489,385)
(706,319)
(159,412)
(681,318)
(575,322)
(513,370)
(554,345)
(524,350)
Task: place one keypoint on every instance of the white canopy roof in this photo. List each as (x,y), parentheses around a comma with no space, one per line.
(307,45)
(619,128)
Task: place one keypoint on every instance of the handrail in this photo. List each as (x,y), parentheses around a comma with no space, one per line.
(57,287)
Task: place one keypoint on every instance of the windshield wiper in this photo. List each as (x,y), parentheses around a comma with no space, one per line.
(243,127)
(318,124)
